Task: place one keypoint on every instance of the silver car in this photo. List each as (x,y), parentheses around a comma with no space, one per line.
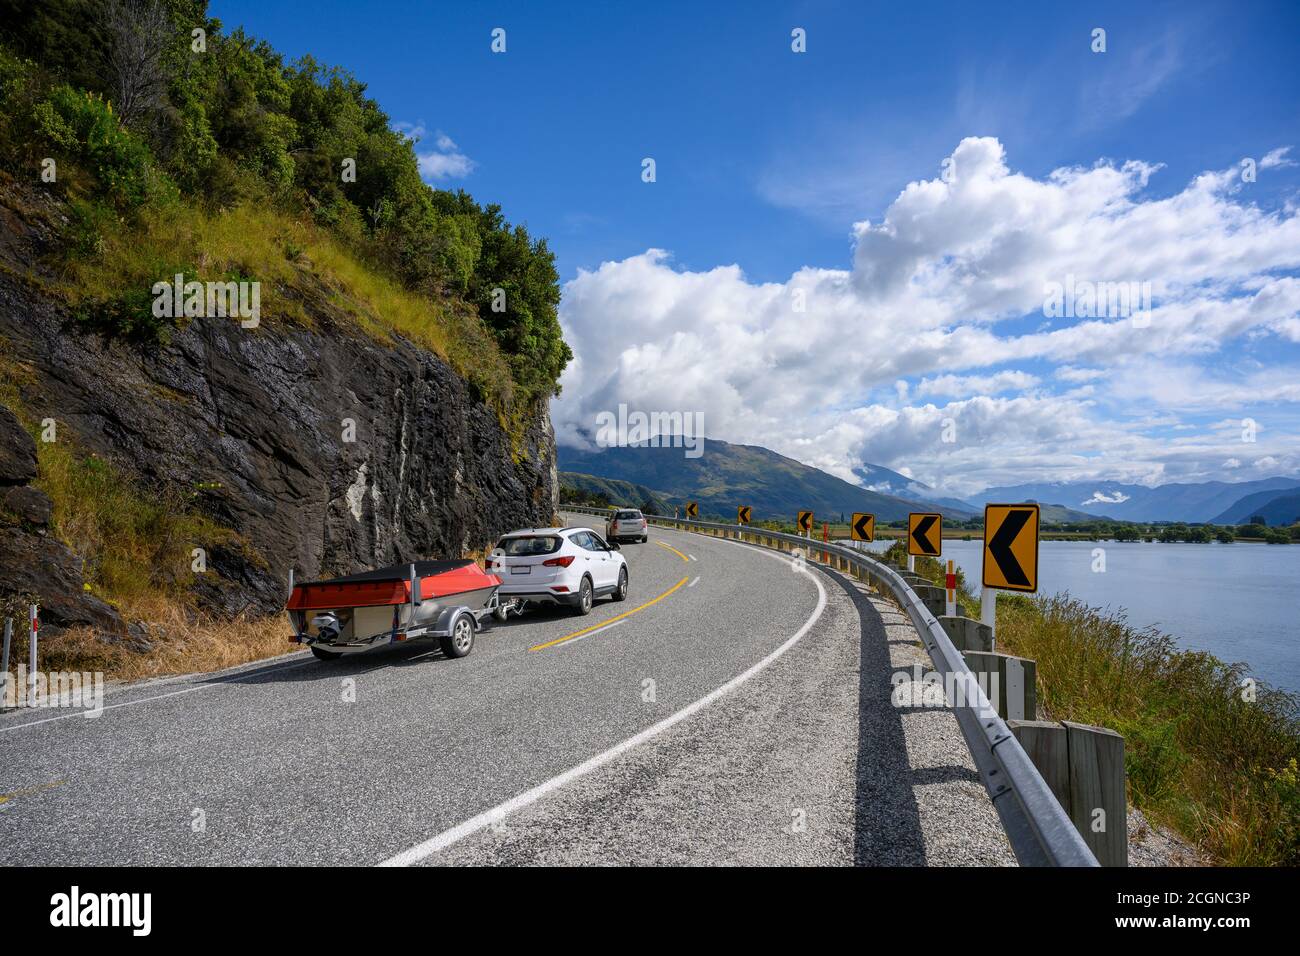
(627,524)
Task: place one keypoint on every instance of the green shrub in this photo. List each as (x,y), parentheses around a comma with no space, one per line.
(81,126)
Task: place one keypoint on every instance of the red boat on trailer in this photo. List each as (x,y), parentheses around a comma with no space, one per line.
(446,600)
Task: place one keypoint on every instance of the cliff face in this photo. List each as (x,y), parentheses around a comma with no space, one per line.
(325,450)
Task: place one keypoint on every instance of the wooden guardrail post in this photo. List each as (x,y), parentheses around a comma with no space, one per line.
(1084,767)
(1015,695)
(966,633)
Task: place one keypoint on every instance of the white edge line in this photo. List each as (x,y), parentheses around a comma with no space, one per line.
(446,838)
(94,715)
(693,583)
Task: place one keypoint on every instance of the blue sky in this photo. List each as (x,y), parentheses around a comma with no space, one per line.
(766,159)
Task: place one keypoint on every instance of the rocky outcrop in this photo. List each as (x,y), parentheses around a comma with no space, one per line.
(34,565)
(324,449)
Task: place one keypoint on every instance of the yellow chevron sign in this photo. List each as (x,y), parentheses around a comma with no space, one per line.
(1011,547)
(863,527)
(925,534)
(805,520)
(743,513)
(692,509)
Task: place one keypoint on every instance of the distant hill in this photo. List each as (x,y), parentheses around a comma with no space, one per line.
(728,475)
(1059,514)
(1201,501)
(1277,510)
(616,492)
(881,479)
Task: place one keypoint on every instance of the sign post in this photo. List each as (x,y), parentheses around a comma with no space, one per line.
(1010,555)
(31,669)
(4,662)
(950,584)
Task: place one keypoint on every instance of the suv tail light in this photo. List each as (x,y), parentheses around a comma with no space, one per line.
(563,562)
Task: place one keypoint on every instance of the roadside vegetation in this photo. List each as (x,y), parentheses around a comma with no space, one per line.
(229,163)
(207,154)
(1207,752)
(136,548)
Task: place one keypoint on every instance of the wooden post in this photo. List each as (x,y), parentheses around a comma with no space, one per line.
(966,634)
(1084,767)
(1099,809)
(1015,696)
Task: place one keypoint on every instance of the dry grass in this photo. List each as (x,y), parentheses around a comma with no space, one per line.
(296,263)
(183,643)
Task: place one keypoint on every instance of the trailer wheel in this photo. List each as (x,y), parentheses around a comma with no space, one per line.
(461,639)
(325,655)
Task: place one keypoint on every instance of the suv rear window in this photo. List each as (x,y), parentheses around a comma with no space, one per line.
(627,514)
(523,546)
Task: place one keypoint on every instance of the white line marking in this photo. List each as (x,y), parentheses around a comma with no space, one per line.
(599,630)
(445,839)
(692,584)
(692,557)
(144,700)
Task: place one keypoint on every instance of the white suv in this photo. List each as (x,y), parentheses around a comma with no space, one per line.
(627,523)
(571,566)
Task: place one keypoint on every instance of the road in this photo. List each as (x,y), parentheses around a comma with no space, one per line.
(732,710)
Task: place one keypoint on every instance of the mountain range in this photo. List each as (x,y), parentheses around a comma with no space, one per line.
(727,475)
(1203,501)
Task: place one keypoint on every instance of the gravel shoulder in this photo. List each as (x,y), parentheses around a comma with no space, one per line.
(808,763)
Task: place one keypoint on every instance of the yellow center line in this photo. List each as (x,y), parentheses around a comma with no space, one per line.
(606,623)
(29,791)
(673,550)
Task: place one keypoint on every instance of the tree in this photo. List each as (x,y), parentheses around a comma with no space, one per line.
(140,33)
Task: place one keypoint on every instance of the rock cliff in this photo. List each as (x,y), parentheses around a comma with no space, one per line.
(323,448)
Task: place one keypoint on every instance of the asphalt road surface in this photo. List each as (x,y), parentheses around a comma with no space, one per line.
(732,710)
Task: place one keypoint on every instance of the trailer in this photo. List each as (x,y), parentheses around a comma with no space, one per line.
(421,600)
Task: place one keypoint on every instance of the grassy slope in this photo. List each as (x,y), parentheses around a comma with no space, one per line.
(296,262)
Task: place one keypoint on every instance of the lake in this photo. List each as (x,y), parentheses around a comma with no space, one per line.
(1239,601)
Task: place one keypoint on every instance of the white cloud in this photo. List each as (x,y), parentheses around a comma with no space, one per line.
(927,304)
(1101,498)
(444,161)
(958,385)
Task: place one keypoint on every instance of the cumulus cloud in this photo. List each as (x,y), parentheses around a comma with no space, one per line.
(444,161)
(834,367)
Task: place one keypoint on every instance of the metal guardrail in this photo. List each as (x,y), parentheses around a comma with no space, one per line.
(1037,826)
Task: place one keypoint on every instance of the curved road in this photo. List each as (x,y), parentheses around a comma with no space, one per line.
(732,710)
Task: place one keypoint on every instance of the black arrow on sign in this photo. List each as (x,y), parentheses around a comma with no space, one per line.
(918,534)
(860,526)
(1000,547)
